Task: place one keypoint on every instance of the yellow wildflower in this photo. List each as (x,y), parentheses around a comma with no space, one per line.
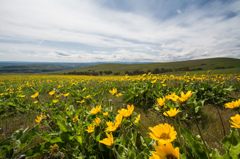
(105,114)
(113,91)
(233,104)
(235,121)
(53,149)
(161,101)
(75,119)
(154,81)
(36,101)
(51,93)
(165,151)
(96,110)
(87,97)
(126,112)
(119,94)
(170,96)
(107,141)
(137,118)
(171,112)
(35,95)
(65,95)
(39,118)
(113,126)
(91,128)
(21,96)
(55,100)
(97,121)
(164,133)
(67,108)
(82,101)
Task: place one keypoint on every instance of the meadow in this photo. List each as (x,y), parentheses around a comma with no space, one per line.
(145,116)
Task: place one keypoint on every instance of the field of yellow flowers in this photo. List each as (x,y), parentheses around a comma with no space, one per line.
(147,116)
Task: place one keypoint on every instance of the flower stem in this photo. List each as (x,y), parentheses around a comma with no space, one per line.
(131,142)
(204,144)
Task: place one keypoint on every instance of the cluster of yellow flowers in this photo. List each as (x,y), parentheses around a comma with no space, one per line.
(112,126)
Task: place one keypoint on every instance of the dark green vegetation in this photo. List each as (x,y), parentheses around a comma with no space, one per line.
(217,65)
(31,67)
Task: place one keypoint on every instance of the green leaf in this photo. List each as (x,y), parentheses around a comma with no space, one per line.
(79,139)
(18,133)
(63,125)
(27,138)
(52,138)
(231,144)
(37,150)
(193,143)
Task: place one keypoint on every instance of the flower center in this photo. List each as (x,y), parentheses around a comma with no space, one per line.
(170,156)
(164,136)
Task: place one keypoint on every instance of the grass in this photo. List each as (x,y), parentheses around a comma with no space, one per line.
(205,64)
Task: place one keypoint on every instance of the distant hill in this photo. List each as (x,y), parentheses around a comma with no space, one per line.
(35,67)
(226,65)
(43,67)
(219,65)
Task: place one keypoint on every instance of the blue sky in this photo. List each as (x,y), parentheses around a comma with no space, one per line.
(118,30)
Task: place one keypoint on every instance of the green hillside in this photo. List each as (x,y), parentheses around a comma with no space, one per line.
(217,65)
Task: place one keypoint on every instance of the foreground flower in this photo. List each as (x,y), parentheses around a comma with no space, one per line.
(51,93)
(107,141)
(235,121)
(165,152)
(126,112)
(163,133)
(90,128)
(53,149)
(35,95)
(75,119)
(172,112)
(96,110)
(113,91)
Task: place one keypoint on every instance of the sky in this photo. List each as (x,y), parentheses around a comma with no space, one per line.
(118,30)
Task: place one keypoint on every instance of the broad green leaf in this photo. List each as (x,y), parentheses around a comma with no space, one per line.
(28,137)
(231,144)
(79,139)
(193,143)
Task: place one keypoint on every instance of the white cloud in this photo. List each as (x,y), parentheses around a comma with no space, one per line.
(41,27)
(179,11)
